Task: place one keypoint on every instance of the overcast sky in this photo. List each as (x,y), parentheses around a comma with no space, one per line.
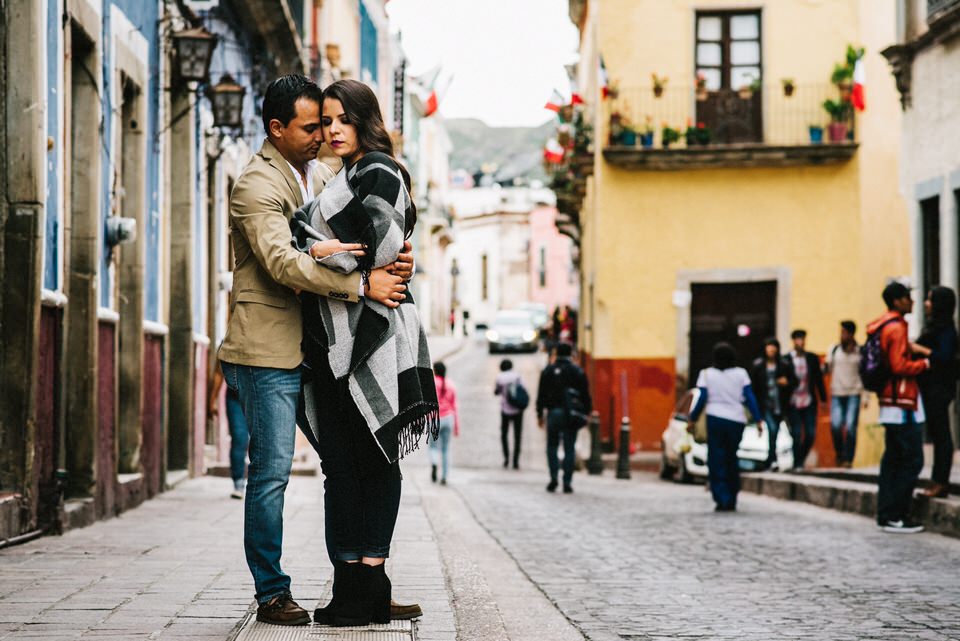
(505,56)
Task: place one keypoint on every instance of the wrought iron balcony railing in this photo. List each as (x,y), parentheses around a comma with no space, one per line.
(936,8)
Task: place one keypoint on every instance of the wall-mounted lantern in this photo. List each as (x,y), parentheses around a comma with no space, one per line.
(194,50)
(226,97)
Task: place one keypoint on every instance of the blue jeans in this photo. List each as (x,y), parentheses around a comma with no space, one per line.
(803,429)
(723,441)
(269,399)
(440,448)
(773,429)
(239,437)
(557,430)
(899,469)
(844,413)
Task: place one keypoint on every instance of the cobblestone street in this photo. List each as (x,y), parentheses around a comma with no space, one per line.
(493,556)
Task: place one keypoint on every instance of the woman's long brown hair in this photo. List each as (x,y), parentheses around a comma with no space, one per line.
(363,109)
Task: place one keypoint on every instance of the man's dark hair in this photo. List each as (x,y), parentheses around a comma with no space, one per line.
(849,325)
(724,356)
(283,93)
(798,333)
(564,350)
(506,365)
(894,292)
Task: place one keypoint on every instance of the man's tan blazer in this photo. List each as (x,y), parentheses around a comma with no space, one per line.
(265,327)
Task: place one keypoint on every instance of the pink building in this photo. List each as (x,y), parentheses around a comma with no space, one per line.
(553,275)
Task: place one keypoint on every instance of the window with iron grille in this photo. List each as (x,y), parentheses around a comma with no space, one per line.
(728,58)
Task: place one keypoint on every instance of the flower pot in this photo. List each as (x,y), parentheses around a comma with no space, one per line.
(746,93)
(646,140)
(701,94)
(816,135)
(657,91)
(788,90)
(665,144)
(628,138)
(692,140)
(837,131)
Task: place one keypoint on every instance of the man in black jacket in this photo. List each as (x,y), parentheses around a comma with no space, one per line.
(563,402)
(802,413)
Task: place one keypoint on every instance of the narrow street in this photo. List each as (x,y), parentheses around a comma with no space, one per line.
(493,556)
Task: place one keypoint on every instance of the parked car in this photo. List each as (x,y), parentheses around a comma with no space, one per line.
(512,330)
(683,459)
(540,314)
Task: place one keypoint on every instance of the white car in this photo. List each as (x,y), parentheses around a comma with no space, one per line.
(684,459)
(512,330)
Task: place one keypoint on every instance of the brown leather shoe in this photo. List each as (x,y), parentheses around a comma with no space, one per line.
(282,610)
(402,612)
(937,491)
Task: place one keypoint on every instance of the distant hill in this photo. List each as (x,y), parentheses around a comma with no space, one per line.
(516,151)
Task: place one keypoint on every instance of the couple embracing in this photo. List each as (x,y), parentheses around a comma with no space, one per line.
(322,334)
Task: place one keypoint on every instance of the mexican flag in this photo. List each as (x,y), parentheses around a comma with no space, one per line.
(555,103)
(857,98)
(604,80)
(553,152)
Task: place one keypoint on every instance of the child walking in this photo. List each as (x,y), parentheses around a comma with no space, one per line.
(449,422)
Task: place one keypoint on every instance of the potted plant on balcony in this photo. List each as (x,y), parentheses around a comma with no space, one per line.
(746,91)
(616,127)
(659,82)
(646,134)
(628,135)
(816,134)
(697,135)
(788,86)
(668,135)
(838,110)
(701,81)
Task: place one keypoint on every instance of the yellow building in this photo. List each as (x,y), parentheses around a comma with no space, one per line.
(753,233)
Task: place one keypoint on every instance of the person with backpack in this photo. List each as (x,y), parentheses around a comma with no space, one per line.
(724,390)
(807,395)
(889,367)
(938,385)
(449,423)
(563,404)
(843,364)
(514,399)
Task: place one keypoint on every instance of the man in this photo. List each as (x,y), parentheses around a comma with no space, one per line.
(901,413)
(563,402)
(802,413)
(843,363)
(260,355)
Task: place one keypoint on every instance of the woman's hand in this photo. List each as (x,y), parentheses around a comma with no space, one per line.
(403,267)
(324,248)
(385,288)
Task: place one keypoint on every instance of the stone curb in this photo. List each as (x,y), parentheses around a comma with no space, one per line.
(937,515)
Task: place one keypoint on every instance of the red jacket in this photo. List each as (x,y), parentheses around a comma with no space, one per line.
(902,390)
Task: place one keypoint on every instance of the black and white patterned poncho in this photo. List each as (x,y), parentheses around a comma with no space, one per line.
(383,351)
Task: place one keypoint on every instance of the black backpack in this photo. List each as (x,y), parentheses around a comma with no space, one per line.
(518,396)
(874,364)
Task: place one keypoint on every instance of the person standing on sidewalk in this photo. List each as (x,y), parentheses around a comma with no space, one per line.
(563,404)
(773,383)
(261,353)
(507,381)
(449,423)
(239,434)
(901,412)
(843,364)
(802,413)
(938,385)
(724,390)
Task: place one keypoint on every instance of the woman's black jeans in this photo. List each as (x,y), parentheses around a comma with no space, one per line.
(936,404)
(361,490)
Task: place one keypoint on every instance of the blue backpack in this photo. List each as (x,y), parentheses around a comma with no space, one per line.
(518,396)
(874,365)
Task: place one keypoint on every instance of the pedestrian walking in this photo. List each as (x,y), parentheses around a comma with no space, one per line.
(509,387)
(563,404)
(894,377)
(237,427)
(368,386)
(449,423)
(846,389)
(806,397)
(938,385)
(724,390)
(261,353)
(773,383)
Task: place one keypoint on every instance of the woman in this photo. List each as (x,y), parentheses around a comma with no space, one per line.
(939,383)
(368,391)
(724,388)
(507,378)
(773,382)
(449,423)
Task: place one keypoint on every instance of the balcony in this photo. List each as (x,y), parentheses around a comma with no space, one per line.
(767,126)
(938,8)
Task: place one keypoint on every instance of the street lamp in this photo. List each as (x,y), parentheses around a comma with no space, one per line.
(194,49)
(227,99)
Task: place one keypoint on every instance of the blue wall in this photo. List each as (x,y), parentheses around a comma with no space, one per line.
(368,46)
(51,271)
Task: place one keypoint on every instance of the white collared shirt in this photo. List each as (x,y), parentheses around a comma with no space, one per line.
(307,191)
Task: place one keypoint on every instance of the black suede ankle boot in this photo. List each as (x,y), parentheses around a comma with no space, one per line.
(380,595)
(324,615)
(355,588)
